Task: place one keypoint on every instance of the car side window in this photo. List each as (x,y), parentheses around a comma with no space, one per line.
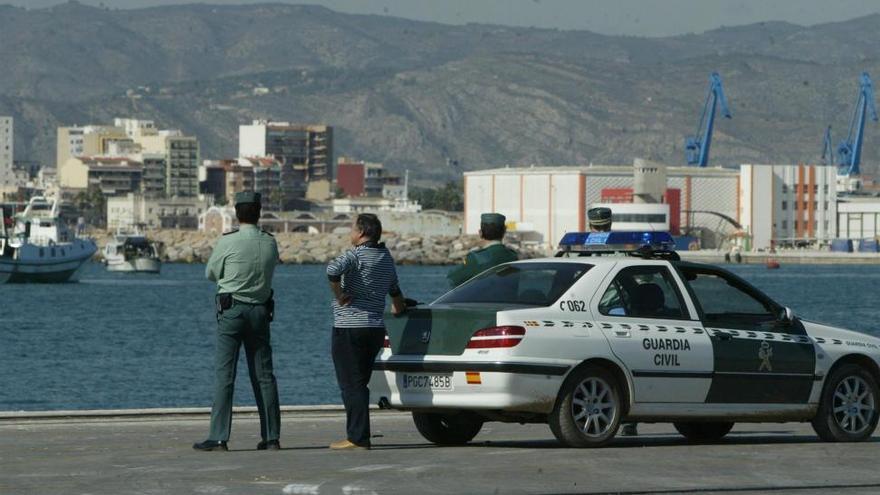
(726,302)
(643,292)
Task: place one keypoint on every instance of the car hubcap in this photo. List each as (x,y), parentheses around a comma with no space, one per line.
(593,407)
(853,405)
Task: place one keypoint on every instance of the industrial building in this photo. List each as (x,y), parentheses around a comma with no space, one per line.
(305,151)
(787,205)
(553,200)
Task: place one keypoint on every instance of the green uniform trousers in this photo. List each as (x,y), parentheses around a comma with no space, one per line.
(246,324)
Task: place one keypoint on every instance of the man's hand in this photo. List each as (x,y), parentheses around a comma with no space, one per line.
(398,305)
(341,297)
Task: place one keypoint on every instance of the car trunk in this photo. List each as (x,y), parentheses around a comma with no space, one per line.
(442,329)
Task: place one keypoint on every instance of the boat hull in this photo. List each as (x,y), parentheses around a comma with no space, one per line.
(137,265)
(52,269)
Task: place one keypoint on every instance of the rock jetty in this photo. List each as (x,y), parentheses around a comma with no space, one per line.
(188,246)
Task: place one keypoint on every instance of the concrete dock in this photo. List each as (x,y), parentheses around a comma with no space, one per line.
(151,454)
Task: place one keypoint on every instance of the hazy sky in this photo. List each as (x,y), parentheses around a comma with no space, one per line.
(633,17)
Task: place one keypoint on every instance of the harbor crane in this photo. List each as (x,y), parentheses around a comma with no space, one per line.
(849,151)
(828,148)
(696,147)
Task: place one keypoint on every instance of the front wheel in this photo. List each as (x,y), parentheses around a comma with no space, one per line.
(448,429)
(848,407)
(588,410)
(704,432)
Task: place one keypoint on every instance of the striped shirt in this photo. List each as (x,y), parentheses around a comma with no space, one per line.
(367,274)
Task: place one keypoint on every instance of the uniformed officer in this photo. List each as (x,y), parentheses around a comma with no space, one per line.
(242,264)
(600,221)
(492,229)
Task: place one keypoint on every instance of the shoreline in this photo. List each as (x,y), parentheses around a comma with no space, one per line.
(189,246)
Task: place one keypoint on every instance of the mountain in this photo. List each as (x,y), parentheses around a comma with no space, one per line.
(414,94)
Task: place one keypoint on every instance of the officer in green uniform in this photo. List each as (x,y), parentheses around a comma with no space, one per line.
(492,229)
(600,221)
(242,264)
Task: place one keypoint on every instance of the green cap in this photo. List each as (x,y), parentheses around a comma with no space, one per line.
(493,219)
(599,217)
(247,197)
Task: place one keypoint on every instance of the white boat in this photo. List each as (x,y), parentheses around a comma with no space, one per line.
(38,246)
(132,252)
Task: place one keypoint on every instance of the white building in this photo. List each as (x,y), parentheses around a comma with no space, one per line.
(650,217)
(786,204)
(553,200)
(858,217)
(153,213)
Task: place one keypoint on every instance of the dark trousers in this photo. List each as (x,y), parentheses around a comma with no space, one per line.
(249,325)
(354,351)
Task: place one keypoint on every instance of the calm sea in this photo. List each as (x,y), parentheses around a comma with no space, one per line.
(132,341)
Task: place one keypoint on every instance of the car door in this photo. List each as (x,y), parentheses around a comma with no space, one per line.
(759,356)
(646,319)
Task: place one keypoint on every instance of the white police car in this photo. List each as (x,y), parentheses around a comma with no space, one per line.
(585,342)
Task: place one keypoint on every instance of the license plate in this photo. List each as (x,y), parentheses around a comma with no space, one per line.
(426,382)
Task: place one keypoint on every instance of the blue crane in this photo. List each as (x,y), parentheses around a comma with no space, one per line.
(849,151)
(828,148)
(696,147)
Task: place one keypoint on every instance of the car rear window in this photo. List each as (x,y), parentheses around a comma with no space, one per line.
(535,284)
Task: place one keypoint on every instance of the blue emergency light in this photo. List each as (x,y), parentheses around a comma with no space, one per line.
(616,242)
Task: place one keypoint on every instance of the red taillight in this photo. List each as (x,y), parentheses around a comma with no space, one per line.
(493,337)
(387,343)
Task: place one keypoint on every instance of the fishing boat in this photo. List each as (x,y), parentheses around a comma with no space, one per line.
(36,245)
(132,253)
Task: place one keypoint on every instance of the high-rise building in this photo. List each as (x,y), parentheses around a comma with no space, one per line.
(7,175)
(304,151)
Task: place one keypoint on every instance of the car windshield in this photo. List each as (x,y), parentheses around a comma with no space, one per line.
(535,284)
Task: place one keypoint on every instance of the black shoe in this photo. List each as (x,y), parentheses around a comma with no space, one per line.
(269,445)
(211,445)
(629,430)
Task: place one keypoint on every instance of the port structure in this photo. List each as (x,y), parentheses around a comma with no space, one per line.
(849,151)
(696,147)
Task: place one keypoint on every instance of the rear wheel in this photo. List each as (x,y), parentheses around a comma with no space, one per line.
(587,412)
(448,429)
(848,407)
(704,432)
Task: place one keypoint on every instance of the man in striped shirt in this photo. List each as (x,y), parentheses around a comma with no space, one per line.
(360,280)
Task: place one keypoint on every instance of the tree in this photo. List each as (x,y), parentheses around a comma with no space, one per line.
(450,197)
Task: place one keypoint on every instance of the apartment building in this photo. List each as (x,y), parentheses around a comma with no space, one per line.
(304,151)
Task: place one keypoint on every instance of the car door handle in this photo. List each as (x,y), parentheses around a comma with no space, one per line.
(723,335)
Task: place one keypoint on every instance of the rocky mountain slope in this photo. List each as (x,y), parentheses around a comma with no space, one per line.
(414,94)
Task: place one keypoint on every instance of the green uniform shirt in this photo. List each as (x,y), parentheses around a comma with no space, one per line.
(480,260)
(242,264)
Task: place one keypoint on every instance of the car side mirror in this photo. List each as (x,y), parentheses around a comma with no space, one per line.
(786,315)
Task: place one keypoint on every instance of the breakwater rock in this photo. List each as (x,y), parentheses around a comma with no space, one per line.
(188,246)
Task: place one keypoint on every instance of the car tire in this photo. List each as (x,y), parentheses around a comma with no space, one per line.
(698,432)
(848,406)
(448,429)
(588,409)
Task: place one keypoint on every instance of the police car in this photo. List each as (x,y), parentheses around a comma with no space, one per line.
(584,341)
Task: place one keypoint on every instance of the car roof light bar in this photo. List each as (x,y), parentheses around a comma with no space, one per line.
(636,243)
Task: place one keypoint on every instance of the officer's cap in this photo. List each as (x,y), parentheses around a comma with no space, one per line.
(493,219)
(247,197)
(599,216)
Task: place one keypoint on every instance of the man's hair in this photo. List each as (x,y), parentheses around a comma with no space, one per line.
(370,226)
(247,212)
(492,231)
